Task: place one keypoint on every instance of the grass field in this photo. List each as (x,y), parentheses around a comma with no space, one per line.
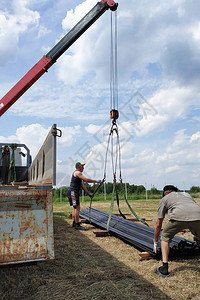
(87,267)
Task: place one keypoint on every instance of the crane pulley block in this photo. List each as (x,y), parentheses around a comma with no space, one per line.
(111,4)
(114,114)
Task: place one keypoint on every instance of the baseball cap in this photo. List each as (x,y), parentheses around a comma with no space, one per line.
(79,164)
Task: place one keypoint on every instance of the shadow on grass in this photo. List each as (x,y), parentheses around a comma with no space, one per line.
(187,268)
(81,270)
(192,264)
(61,214)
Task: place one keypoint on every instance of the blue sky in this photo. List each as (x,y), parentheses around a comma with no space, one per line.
(158,79)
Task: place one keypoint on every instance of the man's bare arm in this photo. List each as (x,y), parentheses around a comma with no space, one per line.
(85,179)
(157,229)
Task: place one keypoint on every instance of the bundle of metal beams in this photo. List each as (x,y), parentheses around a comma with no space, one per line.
(138,235)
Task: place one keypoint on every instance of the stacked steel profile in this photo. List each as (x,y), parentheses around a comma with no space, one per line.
(136,234)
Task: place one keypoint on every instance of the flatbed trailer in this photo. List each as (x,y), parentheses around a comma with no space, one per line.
(26,204)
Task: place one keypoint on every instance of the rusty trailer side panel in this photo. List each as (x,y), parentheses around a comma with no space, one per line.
(43,169)
(26,225)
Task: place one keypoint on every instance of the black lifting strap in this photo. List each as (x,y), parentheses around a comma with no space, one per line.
(117,198)
(114,128)
(91,198)
(119,156)
(133,212)
(97,188)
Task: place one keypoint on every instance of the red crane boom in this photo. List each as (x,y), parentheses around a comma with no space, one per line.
(50,58)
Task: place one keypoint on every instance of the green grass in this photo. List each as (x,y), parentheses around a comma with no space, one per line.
(101,198)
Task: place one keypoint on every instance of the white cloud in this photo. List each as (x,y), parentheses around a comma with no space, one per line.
(158,54)
(195,30)
(89,56)
(171,103)
(33,136)
(86,65)
(180,153)
(155,27)
(68,135)
(85,55)
(9,139)
(174,162)
(12,25)
(73,17)
(58,101)
(43,31)
(195,137)
(172,169)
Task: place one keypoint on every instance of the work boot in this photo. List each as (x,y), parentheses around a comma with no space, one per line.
(79,227)
(73,224)
(161,272)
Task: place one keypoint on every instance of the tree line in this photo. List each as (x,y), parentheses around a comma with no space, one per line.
(121,188)
(130,189)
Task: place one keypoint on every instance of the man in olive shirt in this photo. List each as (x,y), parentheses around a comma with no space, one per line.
(183,213)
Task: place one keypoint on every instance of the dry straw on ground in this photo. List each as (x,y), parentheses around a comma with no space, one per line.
(87,267)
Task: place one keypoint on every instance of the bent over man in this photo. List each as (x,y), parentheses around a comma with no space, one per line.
(183,213)
(74,192)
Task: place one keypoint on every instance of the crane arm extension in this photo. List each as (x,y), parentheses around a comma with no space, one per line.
(25,83)
(50,58)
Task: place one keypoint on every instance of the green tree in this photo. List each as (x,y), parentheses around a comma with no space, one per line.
(64,191)
(131,189)
(154,191)
(140,190)
(109,187)
(195,189)
(56,193)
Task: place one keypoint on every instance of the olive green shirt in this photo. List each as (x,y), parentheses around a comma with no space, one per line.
(180,206)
